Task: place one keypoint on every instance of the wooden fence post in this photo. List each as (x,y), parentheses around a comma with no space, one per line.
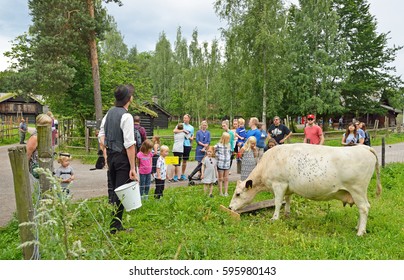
(383,152)
(45,153)
(87,140)
(23,196)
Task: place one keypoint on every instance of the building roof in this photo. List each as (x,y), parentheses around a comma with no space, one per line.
(391,108)
(7,96)
(158,107)
(147,108)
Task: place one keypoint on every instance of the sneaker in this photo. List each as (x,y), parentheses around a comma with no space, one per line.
(183,178)
(226,194)
(175,179)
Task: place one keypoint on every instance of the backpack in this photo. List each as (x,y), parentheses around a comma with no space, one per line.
(138,139)
(367,139)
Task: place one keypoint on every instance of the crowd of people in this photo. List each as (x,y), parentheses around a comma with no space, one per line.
(131,156)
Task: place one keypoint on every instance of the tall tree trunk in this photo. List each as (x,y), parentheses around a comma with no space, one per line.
(95,69)
(264,93)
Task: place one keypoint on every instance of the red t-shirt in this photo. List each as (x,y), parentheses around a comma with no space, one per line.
(313,134)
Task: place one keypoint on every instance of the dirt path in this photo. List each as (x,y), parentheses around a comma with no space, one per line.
(90,184)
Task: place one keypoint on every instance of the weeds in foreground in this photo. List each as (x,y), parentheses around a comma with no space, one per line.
(54,220)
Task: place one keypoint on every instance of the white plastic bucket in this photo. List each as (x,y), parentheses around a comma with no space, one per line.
(129,195)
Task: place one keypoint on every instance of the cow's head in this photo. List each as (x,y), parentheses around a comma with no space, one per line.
(243,195)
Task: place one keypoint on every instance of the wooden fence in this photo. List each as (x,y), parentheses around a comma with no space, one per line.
(68,136)
(9,127)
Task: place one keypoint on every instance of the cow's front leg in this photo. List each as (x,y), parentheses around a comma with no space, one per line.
(279,193)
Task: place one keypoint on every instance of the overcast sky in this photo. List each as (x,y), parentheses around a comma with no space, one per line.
(141,22)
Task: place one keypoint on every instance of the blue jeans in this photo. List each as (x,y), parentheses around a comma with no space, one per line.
(145,180)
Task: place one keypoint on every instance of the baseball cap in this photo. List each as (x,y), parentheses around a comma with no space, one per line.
(311,116)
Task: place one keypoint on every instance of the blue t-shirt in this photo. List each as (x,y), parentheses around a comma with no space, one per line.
(256,133)
(261,140)
(190,129)
(361,133)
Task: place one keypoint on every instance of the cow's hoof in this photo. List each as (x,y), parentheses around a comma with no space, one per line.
(361,233)
(287,214)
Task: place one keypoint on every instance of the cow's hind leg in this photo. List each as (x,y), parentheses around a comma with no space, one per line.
(363,207)
(287,205)
(279,190)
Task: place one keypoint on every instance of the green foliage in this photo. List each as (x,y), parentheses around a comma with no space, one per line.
(113,46)
(369,71)
(320,57)
(186,224)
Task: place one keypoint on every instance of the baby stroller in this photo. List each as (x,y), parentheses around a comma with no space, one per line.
(191,180)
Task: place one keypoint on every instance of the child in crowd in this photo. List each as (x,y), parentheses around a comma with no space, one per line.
(241,133)
(209,172)
(223,154)
(145,160)
(178,150)
(155,152)
(65,172)
(271,143)
(161,172)
(249,156)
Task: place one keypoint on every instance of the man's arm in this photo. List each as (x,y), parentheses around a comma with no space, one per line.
(32,144)
(321,139)
(101,140)
(176,130)
(286,137)
(131,152)
(129,143)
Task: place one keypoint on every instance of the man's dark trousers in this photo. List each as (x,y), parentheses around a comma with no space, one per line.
(119,167)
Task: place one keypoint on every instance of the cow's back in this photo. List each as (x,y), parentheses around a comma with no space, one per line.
(318,172)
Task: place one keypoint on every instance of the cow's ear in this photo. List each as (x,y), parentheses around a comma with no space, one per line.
(249,184)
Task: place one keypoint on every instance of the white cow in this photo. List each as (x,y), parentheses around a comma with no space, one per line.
(314,172)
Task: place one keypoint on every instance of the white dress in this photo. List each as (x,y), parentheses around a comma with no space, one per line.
(209,174)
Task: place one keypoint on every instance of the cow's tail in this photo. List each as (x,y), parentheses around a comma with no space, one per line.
(378,183)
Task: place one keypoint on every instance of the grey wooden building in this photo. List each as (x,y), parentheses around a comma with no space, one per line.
(12,104)
(152,116)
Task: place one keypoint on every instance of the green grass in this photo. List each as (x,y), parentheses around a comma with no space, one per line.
(10,140)
(188,225)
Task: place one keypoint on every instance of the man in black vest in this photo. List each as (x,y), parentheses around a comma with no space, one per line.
(117,137)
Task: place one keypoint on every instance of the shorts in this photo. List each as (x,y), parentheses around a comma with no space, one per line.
(221,169)
(179,155)
(187,151)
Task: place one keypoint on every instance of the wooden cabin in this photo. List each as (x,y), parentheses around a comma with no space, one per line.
(152,116)
(12,104)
